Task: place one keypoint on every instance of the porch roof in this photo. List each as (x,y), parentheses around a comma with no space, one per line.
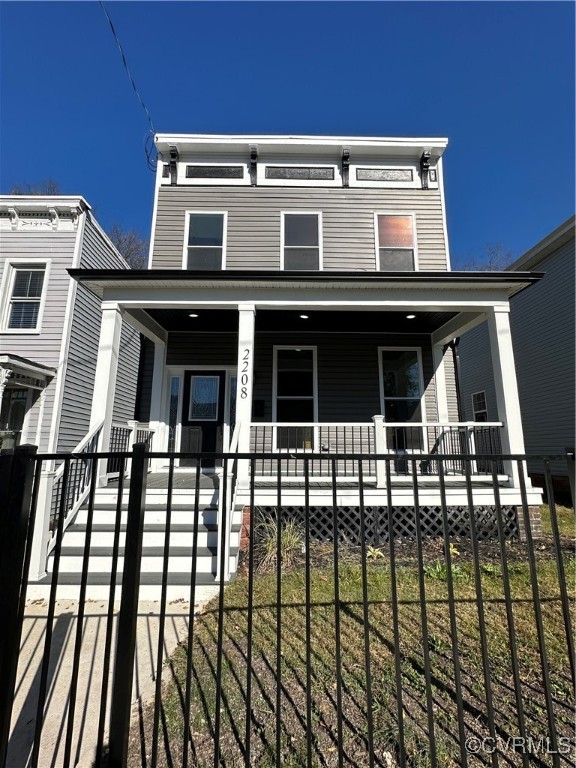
(97,280)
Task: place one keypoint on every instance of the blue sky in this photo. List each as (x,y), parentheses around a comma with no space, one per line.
(496,78)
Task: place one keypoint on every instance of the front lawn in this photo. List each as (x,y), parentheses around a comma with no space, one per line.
(322,659)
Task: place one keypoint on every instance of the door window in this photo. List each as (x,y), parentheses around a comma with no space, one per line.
(204,392)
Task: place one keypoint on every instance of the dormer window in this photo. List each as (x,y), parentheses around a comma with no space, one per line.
(301,241)
(395,243)
(205,241)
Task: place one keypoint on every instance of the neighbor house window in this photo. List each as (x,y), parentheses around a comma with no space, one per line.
(295,395)
(301,241)
(205,245)
(395,243)
(479,406)
(26,286)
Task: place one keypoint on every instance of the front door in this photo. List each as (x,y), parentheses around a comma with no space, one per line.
(202,414)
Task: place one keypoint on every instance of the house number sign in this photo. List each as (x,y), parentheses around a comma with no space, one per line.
(244,378)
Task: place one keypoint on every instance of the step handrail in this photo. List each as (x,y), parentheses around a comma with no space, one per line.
(78,482)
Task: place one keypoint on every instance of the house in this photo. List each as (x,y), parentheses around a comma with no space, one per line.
(299,299)
(542,327)
(49,329)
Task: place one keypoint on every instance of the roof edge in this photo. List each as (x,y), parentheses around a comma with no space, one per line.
(545,247)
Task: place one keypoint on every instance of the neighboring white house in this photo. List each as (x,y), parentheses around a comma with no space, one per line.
(542,324)
(49,325)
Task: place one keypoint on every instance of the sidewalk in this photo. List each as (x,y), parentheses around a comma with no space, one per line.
(89,679)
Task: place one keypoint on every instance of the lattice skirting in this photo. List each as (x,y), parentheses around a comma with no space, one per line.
(404,524)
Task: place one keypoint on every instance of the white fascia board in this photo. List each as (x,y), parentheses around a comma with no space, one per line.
(43,202)
(429,299)
(284,143)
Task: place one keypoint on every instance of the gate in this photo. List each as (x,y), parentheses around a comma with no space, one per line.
(359,630)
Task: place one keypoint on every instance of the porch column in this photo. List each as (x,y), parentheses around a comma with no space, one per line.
(5,374)
(506,386)
(157,401)
(105,379)
(246,323)
(440,381)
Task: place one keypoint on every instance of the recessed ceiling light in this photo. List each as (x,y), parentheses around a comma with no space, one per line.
(304,317)
(192,315)
(410,317)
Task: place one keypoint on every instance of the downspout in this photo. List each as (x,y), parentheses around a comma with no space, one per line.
(456,360)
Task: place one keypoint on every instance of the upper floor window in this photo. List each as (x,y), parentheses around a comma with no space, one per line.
(301,241)
(395,242)
(24,297)
(205,241)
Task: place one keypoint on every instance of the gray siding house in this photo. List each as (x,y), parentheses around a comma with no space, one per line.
(542,324)
(299,299)
(50,325)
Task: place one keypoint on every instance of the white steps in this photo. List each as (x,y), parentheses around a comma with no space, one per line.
(180,561)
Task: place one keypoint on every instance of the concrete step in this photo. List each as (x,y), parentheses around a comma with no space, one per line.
(98,587)
(205,563)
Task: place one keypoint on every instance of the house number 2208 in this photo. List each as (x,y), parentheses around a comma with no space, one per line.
(244,376)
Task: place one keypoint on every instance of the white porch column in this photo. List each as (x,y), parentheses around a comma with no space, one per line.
(506,386)
(105,379)
(380,446)
(157,414)
(440,381)
(5,374)
(41,537)
(246,323)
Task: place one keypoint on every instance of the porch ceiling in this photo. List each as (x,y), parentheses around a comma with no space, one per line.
(317,321)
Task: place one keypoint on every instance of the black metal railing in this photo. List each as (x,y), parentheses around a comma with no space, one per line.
(69,491)
(446,642)
(298,441)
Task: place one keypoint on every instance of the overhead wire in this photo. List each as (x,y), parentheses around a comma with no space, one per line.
(149,137)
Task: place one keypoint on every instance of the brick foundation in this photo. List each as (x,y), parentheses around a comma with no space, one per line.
(535,523)
(245,529)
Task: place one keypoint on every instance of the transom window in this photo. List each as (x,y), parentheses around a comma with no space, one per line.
(206,241)
(27,282)
(295,386)
(395,242)
(301,241)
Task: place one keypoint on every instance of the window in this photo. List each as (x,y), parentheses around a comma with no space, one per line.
(205,243)
(26,288)
(479,406)
(204,398)
(301,241)
(395,242)
(295,395)
(401,382)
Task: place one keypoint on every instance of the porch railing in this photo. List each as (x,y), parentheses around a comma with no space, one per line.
(457,439)
(299,440)
(296,441)
(67,497)
(123,436)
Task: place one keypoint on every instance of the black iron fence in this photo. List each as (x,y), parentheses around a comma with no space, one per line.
(425,646)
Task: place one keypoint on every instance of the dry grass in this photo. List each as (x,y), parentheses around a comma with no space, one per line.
(292,660)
